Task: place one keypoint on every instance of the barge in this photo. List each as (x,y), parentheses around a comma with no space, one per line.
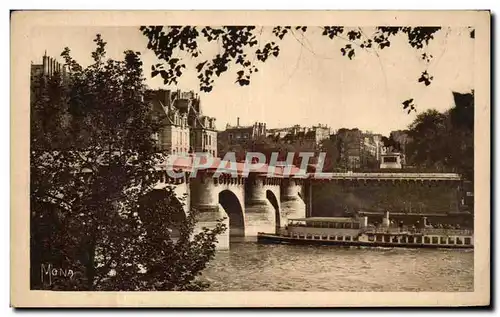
(355,232)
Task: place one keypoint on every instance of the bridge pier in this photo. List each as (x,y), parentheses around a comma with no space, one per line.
(292,206)
(204,199)
(260,215)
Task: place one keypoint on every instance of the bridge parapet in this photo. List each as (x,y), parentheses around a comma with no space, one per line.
(241,170)
(388,176)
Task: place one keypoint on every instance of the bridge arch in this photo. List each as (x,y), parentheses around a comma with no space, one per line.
(274,201)
(234,210)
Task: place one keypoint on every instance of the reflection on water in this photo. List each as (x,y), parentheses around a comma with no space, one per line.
(249,266)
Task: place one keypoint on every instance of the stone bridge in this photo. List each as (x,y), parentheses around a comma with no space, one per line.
(257,201)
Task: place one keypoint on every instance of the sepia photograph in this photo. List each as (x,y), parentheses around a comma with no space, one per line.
(180,152)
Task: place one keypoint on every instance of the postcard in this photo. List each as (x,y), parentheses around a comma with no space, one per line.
(250,158)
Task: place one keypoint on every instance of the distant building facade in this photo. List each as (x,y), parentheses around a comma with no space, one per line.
(48,68)
(184,128)
(239,134)
(306,137)
(358,149)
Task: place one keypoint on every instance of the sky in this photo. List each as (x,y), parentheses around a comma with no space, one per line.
(310,83)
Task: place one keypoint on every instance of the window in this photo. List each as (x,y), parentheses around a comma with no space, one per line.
(467,240)
(427,240)
(355,238)
(348,226)
(355,225)
(379,238)
(387,239)
(331,237)
(403,239)
(419,240)
(340,238)
(459,240)
(451,240)
(395,239)
(411,239)
(435,240)
(348,238)
(324,237)
(371,238)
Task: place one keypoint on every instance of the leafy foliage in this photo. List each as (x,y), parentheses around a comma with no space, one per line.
(445,140)
(242,47)
(409,106)
(93,159)
(425,78)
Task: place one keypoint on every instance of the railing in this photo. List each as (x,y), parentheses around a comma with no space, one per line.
(426,231)
(450,176)
(447,232)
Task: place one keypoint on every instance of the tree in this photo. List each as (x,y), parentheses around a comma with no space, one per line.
(445,140)
(90,178)
(241,48)
(428,144)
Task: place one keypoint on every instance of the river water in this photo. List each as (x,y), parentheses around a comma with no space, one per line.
(249,266)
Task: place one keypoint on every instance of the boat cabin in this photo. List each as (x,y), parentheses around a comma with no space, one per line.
(322,228)
(319,222)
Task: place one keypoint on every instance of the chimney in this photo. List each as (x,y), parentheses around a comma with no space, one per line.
(166,98)
(238,121)
(44,63)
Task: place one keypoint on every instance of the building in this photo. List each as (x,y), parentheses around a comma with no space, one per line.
(239,134)
(48,68)
(311,136)
(184,128)
(173,137)
(321,132)
(349,143)
(358,149)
